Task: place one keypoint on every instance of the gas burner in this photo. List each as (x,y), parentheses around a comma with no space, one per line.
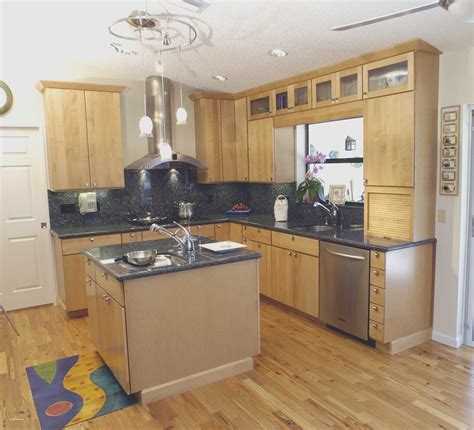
(148,219)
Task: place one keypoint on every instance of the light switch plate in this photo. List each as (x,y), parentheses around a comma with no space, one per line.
(442,216)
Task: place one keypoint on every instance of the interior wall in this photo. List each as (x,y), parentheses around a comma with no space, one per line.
(456,88)
(27,110)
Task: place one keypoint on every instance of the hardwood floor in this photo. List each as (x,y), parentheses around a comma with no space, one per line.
(306,377)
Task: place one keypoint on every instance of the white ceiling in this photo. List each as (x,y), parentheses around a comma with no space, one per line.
(237,36)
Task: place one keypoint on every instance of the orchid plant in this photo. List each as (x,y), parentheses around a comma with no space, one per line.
(312,187)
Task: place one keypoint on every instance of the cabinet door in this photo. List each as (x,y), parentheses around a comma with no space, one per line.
(389,76)
(261,150)
(282,100)
(74,282)
(235,232)
(323,91)
(265,266)
(306,283)
(208,139)
(261,105)
(389,141)
(300,96)
(112,337)
(93,322)
(241,141)
(282,275)
(222,231)
(228,142)
(349,85)
(104,133)
(66,135)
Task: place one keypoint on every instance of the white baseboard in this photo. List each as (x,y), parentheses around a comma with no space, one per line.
(453,342)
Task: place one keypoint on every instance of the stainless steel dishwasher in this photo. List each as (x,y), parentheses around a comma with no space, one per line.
(344,288)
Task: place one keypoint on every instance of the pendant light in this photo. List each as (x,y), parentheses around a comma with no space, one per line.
(181,113)
(146,124)
(166,153)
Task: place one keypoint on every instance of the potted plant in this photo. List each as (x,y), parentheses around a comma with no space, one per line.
(312,187)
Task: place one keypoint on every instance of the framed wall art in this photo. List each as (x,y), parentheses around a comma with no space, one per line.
(449,150)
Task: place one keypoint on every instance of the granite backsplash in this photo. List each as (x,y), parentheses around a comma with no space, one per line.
(159,191)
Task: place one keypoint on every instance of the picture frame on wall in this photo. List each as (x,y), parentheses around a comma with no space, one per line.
(450,128)
(450,116)
(449,152)
(337,194)
(449,176)
(449,140)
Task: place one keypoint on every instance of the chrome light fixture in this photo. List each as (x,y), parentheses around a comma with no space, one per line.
(277,52)
(181,113)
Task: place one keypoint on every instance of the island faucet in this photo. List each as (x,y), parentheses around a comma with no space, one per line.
(186,242)
(333,211)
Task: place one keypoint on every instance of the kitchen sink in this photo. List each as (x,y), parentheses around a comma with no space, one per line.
(162,260)
(314,228)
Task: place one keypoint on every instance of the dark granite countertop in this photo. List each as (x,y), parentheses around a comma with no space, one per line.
(105,257)
(347,236)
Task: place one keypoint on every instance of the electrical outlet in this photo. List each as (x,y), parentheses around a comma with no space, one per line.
(442,216)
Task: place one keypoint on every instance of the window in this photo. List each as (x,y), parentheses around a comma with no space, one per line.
(342,144)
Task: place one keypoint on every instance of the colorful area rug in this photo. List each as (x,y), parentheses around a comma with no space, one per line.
(75,389)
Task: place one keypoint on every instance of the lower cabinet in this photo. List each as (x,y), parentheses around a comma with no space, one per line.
(235,232)
(265,265)
(222,231)
(295,279)
(112,338)
(91,292)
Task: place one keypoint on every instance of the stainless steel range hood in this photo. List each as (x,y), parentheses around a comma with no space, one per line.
(158,108)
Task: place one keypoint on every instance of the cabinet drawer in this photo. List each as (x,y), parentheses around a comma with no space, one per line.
(377,277)
(206,230)
(90,267)
(376,312)
(74,246)
(257,234)
(376,331)
(296,243)
(377,295)
(111,286)
(131,237)
(377,260)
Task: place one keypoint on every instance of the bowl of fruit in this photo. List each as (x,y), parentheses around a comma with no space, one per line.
(239,209)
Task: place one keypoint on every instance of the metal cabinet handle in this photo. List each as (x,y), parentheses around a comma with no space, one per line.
(86,185)
(375,325)
(376,254)
(289,253)
(132,234)
(245,178)
(104,275)
(292,237)
(218,226)
(376,272)
(259,245)
(91,239)
(89,281)
(199,227)
(94,184)
(295,255)
(106,297)
(366,181)
(376,290)
(88,261)
(375,308)
(340,254)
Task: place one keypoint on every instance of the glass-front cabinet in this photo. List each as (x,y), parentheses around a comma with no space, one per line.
(349,85)
(389,76)
(261,105)
(323,90)
(292,98)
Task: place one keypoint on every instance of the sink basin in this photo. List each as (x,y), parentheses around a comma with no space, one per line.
(314,228)
(162,260)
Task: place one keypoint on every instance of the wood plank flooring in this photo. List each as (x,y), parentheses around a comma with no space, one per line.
(307,377)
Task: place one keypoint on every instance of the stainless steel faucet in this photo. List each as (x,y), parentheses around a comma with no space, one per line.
(333,211)
(186,242)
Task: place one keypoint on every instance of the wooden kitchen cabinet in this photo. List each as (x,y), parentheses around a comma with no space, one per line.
(261,105)
(265,265)
(339,87)
(241,141)
(83,135)
(306,283)
(228,140)
(324,90)
(93,317)
(389,141)
(132,237)
(112,337)
(282,275)
(235,232)
(271,152)
(293,98)
(389,76)
(207,113)
(222,231)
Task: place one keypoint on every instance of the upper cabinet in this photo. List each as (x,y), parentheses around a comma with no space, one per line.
(340,87)
(241,141)
(389,76)
(83,135)
(261,105)
(293,98)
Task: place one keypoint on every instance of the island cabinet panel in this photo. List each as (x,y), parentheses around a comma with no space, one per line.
(181,324)
(222,231)
(73,279)
(74,246)
(389,141)
(113,337)
(265,266)
(66,136)
(93,317)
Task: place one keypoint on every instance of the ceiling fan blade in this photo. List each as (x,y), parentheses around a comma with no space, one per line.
(389,16)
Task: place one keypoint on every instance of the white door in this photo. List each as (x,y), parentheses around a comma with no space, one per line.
(26,259)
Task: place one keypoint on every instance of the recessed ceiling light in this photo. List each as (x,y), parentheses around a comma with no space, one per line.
(277,52)
(220,78)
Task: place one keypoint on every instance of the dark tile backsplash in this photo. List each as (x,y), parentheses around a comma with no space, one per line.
(159,191)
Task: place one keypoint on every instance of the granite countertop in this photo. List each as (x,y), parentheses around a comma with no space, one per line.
(347,236)
(105,257)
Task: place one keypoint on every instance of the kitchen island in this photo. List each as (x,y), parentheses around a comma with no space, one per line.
(184,322)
